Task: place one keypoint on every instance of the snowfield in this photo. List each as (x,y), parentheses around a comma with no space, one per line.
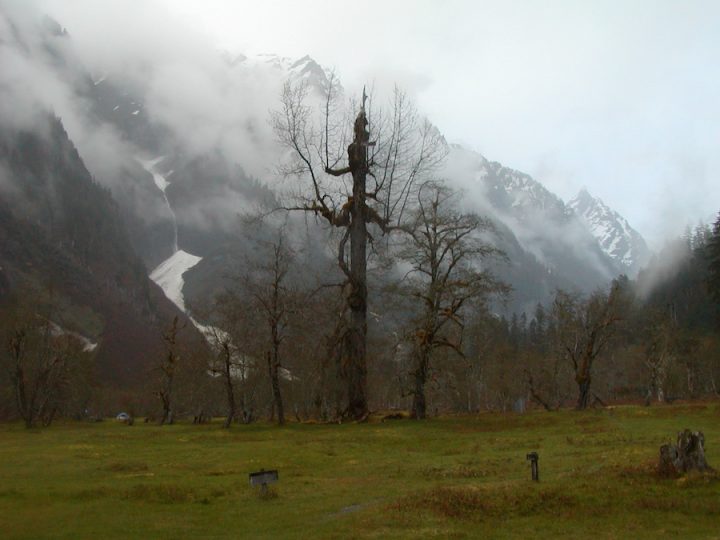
(169,275)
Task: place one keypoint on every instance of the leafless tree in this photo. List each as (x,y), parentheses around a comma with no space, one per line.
(43,363)
(234,333)
(584,329)
(257,314)
(226,364)
(167,369)
(273,297)
(329,315)
(383,173)
(659,352)
(445,254)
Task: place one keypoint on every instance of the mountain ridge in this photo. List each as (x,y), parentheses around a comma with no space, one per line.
(614,233)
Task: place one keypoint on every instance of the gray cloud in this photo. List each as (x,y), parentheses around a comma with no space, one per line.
(179,80)
(577,94)
(177,74)
(575,89)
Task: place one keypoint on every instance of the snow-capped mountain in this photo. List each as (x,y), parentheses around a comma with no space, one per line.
(563,250)
(504,189)
(293,69)
(518,192)
(613,232)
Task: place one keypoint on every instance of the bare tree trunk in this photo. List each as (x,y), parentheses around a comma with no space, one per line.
(534,393)
(167,417)
(658,375)
(356,342)
(47,419)
(653,387)
(713,385)
(273,367)
(167,368)
(230,391)
(690,370)
(338,392)
(419,405)
(583,382)
(21,398)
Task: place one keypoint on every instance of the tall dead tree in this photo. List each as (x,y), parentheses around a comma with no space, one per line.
(445,253)
(383,174)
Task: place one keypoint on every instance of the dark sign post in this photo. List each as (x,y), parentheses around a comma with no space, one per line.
(262,479)
(533,457)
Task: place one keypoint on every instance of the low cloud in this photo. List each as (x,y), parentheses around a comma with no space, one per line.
(179,82)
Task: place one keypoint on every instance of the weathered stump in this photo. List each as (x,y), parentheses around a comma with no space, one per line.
(687,455)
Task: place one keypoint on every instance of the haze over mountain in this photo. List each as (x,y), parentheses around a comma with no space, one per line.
(184,160)
(575,94)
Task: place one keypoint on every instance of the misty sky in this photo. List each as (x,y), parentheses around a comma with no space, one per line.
(621,97)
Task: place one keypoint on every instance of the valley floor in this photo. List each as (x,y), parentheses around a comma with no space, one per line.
(454,477)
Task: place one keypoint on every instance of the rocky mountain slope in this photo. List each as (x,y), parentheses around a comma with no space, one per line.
(616,237)
(61,235)
(554,243)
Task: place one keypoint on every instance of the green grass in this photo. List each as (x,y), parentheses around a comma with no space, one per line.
(456,477)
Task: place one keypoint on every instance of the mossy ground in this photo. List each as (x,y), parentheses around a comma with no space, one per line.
(453,477)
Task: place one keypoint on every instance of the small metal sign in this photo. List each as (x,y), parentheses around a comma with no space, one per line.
(263,478)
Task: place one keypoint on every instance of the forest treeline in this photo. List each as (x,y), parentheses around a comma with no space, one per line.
(652,339)
(405,316)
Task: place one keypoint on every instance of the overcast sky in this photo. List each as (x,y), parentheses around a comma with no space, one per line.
(622,97)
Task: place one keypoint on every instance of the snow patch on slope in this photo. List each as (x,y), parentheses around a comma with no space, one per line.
(612,231)
(57,330)
(169,275)
(162,184)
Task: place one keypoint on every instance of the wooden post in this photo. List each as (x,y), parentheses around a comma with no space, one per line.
(533,458)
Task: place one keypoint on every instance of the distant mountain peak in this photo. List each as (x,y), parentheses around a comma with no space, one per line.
(304,68)
(613,232)
(52,27)
(510,188)
(584,193)
(303,61)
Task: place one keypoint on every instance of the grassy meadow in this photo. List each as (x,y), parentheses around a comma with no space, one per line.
(448,477)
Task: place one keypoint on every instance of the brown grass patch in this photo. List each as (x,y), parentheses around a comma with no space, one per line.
(671,503)
(646,470)
(459,471)
(267,494)
(126,466)
(473,503)
(697,478)
(588,419)
(166,494)
(93,493)
(222,473)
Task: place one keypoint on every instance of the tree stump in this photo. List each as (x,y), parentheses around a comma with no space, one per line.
(687,455)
